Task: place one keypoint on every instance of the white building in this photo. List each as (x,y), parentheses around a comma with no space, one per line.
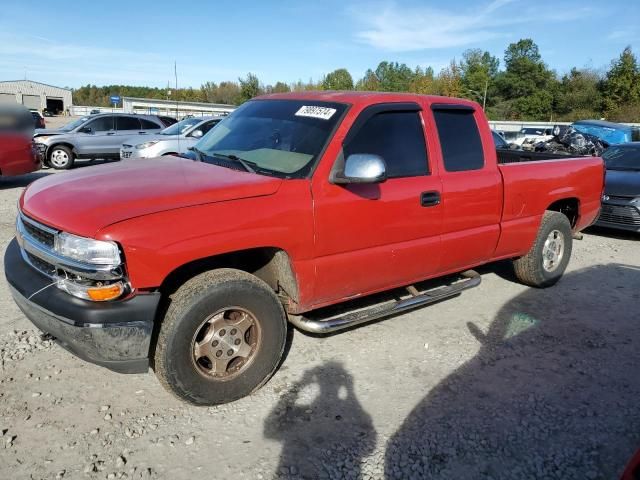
(35,95)
(175,109)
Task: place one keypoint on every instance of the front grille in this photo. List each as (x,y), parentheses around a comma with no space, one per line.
(621,214)
(41,265)
(40,235)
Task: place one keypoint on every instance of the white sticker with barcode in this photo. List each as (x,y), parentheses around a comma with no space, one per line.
(313,111)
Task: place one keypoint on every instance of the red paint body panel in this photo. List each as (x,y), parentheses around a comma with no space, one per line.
(342,241)
(17,156)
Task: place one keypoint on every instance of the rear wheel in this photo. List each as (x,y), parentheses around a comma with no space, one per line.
(549,256)
(221,339)
(61,157)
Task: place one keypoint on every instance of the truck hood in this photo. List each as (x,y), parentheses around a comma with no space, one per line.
(623,183)
(91,198)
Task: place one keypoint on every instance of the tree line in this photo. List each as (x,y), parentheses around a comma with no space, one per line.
(524,89)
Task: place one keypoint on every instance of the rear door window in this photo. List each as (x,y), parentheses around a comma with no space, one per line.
(149,125)
(459,139)
(398,138)
(127,123)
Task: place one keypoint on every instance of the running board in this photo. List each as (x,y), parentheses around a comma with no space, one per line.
(471,279)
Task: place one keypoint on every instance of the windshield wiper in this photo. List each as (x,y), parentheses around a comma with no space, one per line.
(237,159)
(199,153)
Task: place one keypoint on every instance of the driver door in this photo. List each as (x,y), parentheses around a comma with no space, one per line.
(96,143)
(372,237)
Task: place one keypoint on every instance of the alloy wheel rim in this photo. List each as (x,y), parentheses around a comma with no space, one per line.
(553,251)
(226,343)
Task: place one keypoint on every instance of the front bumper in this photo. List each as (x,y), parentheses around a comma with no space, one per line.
(115,335)
(620,213)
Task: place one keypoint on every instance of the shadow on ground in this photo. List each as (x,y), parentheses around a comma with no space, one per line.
(323,429)
(21,180)
(612,233)
(552,393)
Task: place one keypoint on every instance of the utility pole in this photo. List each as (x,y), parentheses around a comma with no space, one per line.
(484,98)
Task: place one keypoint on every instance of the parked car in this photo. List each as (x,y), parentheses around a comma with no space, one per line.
(529,136)
(297,201)
(17,152)
(621,201)
(511,153)
(173,140)
(95,111)
(91,137)
(38,120)
(609,132)
(168,121)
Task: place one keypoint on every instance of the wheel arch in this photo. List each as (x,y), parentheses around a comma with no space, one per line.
(569,206)
(271,264)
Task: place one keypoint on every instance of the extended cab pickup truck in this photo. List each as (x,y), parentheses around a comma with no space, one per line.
(295,202)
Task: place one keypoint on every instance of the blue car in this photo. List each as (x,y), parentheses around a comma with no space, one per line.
(609,132)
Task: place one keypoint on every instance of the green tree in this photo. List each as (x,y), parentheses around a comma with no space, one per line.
(281,87)
(449,81)
(478,70)
(339,79)
(423,82)
(527,85)
(249,87)
(579,95)
(369,82)
(621,88)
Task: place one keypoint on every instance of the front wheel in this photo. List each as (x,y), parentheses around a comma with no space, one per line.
(549,256)
(61,157)
(222,338)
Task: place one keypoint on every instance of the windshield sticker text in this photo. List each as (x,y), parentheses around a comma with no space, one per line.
(323,113)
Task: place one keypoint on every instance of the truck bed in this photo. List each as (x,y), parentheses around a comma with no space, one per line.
(507,155)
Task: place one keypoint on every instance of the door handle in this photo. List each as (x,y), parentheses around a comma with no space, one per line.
(111,133)
(430,199)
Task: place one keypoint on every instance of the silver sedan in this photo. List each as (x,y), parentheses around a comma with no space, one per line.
(173,140)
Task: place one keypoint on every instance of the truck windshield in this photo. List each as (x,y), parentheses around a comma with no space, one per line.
(622,158)
(181,127)
(279,137)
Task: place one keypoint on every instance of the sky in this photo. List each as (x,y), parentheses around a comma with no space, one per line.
(72,44)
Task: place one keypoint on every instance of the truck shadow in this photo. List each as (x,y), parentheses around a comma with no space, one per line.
(552,392)
(324,431)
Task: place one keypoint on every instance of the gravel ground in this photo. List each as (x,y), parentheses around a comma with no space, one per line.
(503,382)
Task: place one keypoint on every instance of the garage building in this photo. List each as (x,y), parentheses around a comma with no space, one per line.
(35,95)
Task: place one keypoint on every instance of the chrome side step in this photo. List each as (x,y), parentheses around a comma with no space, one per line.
(471,279)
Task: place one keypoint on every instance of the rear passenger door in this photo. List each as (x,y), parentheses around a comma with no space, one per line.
(126,127)
(371,237)
(471,186)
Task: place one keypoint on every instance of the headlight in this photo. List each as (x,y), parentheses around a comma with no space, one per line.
(87,250)
(146,144)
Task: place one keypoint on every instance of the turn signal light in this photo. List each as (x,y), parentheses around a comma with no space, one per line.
(105,293)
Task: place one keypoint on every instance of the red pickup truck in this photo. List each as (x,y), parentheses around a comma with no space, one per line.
(294,202)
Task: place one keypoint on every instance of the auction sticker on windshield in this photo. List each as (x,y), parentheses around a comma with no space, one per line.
(324,113)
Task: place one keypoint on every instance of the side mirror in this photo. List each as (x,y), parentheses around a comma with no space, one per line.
(197,133)
(361,168)
(86,130)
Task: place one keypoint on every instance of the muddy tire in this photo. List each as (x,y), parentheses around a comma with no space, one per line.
(221,339)
(60,157)
(549,256)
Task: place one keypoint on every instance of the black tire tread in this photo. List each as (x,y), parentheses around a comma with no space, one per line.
(180,301)
(528,269)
